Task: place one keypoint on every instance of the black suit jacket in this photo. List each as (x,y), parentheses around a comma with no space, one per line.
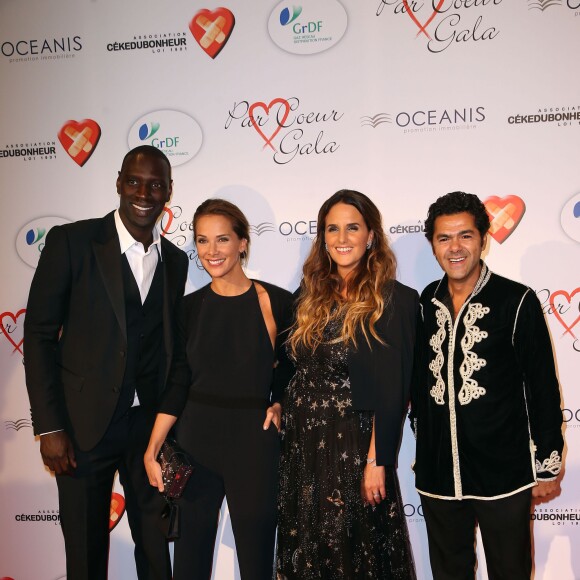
(380,374)
(75,336)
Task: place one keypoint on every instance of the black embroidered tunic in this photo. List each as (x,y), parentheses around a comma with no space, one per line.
(485,397)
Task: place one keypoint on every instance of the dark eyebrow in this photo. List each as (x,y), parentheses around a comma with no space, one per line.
(447,235)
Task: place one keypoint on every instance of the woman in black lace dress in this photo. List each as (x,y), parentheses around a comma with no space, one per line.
(340,509)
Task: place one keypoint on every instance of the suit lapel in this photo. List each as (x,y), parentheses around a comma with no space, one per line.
(170,268)
(108,258)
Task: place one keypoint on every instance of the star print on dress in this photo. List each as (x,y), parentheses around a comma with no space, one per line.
(324,529)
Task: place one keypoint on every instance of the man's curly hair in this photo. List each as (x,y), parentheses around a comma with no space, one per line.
(457,202)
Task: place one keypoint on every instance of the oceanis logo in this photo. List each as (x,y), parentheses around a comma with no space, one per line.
(375,120)
(292,231)
(262,228)
(543,5)
(443,24)
(17,425)
(432,120)
(285,128)
(41,49)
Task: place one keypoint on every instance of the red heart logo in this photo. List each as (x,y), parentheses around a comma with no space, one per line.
(117,510)
(9,328)
(423,27)
(267,108)
(212,30)
(505,213)
(558,311)
(80,139)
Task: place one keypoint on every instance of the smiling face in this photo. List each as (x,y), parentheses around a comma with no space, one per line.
(144,186)
(219,247)
(346,236)
(457,246)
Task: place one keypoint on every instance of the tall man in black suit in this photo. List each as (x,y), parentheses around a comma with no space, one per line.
(98,339)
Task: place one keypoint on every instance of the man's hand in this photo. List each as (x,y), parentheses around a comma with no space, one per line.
(58,453)
(546,488)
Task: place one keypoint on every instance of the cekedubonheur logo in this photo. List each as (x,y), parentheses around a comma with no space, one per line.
(31,237)
(309,27)
(178,135)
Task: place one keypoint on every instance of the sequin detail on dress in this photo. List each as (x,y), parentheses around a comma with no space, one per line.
(324,530)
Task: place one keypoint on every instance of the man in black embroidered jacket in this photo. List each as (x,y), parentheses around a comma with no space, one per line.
(485,403)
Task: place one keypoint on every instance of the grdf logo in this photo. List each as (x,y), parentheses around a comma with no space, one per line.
(286,18)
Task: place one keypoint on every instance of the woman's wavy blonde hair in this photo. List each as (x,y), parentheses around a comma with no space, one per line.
(368,290)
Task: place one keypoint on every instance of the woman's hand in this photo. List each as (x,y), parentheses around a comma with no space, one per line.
(273,415)
(153,470)
(163,424)
(373,489)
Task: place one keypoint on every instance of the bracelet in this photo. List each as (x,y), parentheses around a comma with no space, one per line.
(370,461)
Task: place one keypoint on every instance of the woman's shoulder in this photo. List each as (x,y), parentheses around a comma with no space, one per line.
(400,292)
(403,300)
(195,298)
(403,292)
(274,291)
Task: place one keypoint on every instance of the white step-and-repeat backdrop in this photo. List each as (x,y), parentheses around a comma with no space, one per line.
(275,106)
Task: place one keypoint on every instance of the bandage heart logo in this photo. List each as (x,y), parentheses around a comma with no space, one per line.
(279,115)
(566,309)
(117,510)
(212,29)
(505,213)
(12,328)
(80,139)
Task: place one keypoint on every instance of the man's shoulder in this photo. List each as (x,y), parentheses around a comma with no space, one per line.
(429,291)
(506,286)
(85,226)
(81,232)
(172,250)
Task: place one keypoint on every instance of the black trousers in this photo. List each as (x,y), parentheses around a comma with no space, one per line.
(85,500)
(505,530)
(234,457)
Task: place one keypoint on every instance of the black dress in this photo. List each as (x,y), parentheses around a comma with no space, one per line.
(221,388)
(324,529)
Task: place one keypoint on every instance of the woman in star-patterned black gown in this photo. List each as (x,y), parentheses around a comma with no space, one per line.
(340,509)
